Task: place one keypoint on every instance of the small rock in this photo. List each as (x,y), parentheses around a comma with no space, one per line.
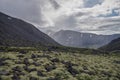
(17,68)
(39,73)
(50,67)
(33,56)
(26,61)
(22,52)
(28,69)
(36,64)
(115,61)
(33,78)
(20,56)
(55,60)
(70,69)
(4,73)
(15,77)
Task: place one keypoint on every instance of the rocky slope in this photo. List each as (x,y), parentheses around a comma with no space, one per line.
(16,32)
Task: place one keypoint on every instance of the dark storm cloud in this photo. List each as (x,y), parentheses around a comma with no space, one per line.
(55,4)
(79,14)
(67,22)
(82,15)
(114,27)
(28,10)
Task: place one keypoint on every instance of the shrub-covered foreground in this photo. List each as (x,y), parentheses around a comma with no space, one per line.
(53,65)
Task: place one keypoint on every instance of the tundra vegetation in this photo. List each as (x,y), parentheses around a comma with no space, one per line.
(27,63)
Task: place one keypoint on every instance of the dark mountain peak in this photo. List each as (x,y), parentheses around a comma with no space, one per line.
(115,40)
(16,30)
(114,45)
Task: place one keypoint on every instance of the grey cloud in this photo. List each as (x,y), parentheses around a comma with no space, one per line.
(63,17)
(98,24)
(79,14)
(67,22)
(55,4)
(24,9)
(114,27)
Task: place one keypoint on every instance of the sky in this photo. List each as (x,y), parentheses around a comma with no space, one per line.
(93,16)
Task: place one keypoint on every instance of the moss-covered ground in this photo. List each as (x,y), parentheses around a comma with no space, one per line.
(56,65)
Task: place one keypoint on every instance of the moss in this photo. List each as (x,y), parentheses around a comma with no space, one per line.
(89,66)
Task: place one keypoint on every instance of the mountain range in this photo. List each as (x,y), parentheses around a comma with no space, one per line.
(82,40)
(16,32)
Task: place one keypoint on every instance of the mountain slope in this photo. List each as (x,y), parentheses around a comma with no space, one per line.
(15,32)
(112,46)
(82,40)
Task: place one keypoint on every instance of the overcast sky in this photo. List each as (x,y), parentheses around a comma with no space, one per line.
(96,16)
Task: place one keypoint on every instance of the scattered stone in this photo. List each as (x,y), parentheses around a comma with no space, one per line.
(106,73)
(39,56)
(50,67)
(18,62)
(26,61)
(2,59)
(28,69)
(70,69)
(33,56)
(17,71)
(33,78)
(20,56)
(2,50)
(117,62)
(17,68)
(15,77)
(25,68)
(4,72)
(36,64)
(69,63)
(2,63)
(39,73)
(33,69)
(85,67)
(55,60)
(51,78)
(22,52)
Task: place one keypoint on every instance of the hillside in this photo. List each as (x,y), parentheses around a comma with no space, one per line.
(15,32)
(114,45)
(82,40)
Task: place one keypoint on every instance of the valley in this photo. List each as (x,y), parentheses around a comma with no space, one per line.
(26,53)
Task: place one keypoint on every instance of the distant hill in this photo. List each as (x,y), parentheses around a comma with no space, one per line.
(82,40)
(114,45)
(16,32)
